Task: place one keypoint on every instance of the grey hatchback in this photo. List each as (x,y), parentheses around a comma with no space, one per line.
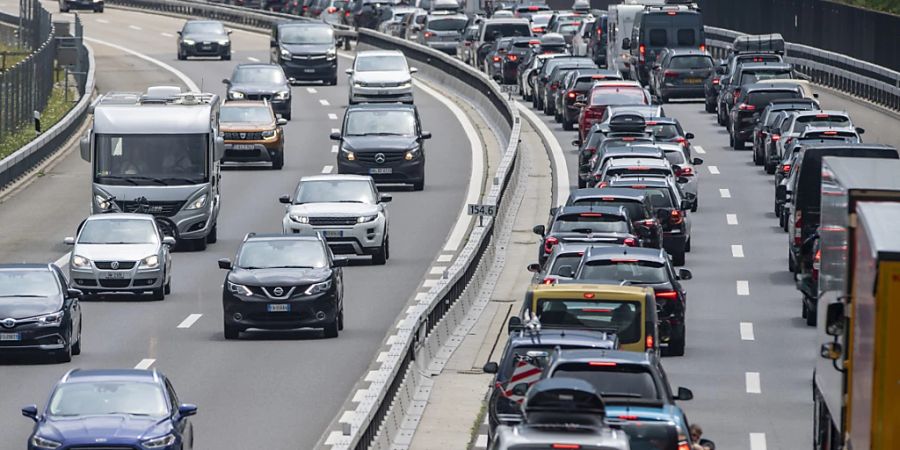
(681,73)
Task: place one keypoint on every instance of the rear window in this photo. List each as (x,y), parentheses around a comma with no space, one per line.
(571,260)
(449,24)
(691,62)
(750,77)
(658,38)
(762,98)
(583,84)
(658,197)
(821,120)
(687,37)
(624,269)
(617,316)
(650,435)
(505,30)
(664,130)
(619,96)
(569,28)
(623,381)
(635,210)
(590,223)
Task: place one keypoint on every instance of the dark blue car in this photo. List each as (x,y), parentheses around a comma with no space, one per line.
(131,409)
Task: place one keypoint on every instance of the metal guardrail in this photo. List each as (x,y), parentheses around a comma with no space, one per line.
(862,79)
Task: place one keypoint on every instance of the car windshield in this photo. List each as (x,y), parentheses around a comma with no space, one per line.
(27,283)
(664,131)
(569,28)
(315,35)
(590,223)
(245,114)
(612,380)
(108,397)
(569,259)
(261,75)
(274,253)
(381,63)
(380,122)
(118,231)
(448,24)
(151,159)
(690,62)
(620,317)
(618,96)
(624,269)
(540,20)
(203,28)
(335,191)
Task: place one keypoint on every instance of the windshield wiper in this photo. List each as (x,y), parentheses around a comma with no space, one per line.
(130,413)
(131,178)
(384,134)
(349,201)
(186,180)
(289,267)
(118,177)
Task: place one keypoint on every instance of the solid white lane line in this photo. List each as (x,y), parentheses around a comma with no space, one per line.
(699,149)
(181,76)
(731,219)
(481,441)
(189,320)
(713,170)
(757,441)
(752,379)
(135,27)
(332,116)
(743,287)
(559,157)
(102,21)
(747,331)
(250,58)
(737,250)
(724,193)
(334,149)
(324,102)
(335,130)
(327,169)
(311,90)
(145,364)
(167,34)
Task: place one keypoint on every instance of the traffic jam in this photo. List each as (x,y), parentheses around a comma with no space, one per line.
(583,365)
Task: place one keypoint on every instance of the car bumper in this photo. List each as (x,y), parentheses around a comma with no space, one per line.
(400,172)
(32,338)
(238,153)
(312,69)
(689,91)
(387,94)
(570,113)
(131,280)
(203,49)
(360,239)
(313,311)
(674,242)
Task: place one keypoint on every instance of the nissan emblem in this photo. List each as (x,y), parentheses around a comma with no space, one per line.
(278,291)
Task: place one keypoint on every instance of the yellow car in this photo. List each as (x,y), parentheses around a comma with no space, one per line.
(627,311)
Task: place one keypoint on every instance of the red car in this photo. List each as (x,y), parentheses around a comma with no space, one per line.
(607,93)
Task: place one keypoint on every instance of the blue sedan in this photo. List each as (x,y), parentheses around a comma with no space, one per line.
(135,409)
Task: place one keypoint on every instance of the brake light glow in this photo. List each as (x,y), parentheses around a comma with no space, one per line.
(566,446)
(786,168)
(571,94)
(715,81)
(746,107)
(830,133)
(649,223)
(670,74)
(638,168)
(428,34)
(671,13)
(776,137)
(684,446)
(628,417)
(676,218)
(549,280)
(702,47)
(496,59)
(591,215)
(643,50)
(512,57)
(821,116)
(649,341)
(549,243)
(347,14)
(630,242)
(331,10)
(602,184)
(535,42)
(685,172)
(533,8)
(620,261)
(668,295)
(817,262)
(588,295)
(627,139)
(602,364)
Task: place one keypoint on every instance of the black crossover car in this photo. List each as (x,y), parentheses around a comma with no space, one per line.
(384,141)
(204,38)
(283,282)
(38,312)
(305,51)
(261,82)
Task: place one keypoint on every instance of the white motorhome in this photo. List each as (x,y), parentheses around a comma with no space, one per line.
(621,21)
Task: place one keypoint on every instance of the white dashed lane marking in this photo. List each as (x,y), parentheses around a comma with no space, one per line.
(334,149)
(102,21)
(752,380)
(737,251)
(189,320)
(332,116)
(135,27)
(250,58)
(327,169)
(167,35)
(145,364)
(324,102)
(747,331)
(724,193)
(311,90)
(743,287)
(757,441)
(731,219)
(699,149)
(713,170)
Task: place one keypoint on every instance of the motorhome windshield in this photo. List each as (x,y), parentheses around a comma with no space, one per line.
(157,159)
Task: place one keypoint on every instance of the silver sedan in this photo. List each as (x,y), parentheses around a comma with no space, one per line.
(121,252)
(675,153)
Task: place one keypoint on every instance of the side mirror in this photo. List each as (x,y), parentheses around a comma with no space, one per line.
(520,389)
(834,319)
(385,198)
(69,241)
(225,263)
(169,240)
(685,274)
(684,394)
(85,145)
(689,136)
(539,230)
(720,70)
(413,70)
(566,272)
(286,199)
(340,261)
(491,367)
(425,135)
(74,293)
(31,412)
(576,143)
(219,148)
(656,67)
(534,267)
(626,44)
(179,33)
(685,204)
(273,43)
(780,192)
(229,32)
(226,81)
(831,350)
(349,71)
(860,130)
(281,122)
(335,136)
(553,210)
(515,323)
(187,409)
(697,161)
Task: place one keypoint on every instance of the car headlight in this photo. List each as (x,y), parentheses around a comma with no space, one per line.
(102,202)
(80,262)
(348,155)
(188,41)
(224,42)
(318,288)
(40,442)
(406,85)
(235,95)
(159,442)
(412,154)
(364,219)
(150,262)
(198,203)
(235,288)
(285,54)
(331,53)
(283,95)
(359,84)
(299,219)
(50,320)
(268,134)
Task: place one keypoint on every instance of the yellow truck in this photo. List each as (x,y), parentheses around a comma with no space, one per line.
(856,384)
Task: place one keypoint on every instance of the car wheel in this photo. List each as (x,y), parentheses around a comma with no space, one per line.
(710,108)
(418,186)
(226,57)
(332,329)
(158,294)
(770,168)
(199,244)
(287,115)
(380,255)
(678,257)
(65,355)
(278,162)
(231,331)
(687,245)
(791,266)
(676,344)
(738,144)
(99,10)
(341,320)
(76,347)
(213,235)
(809,315)
(720,119)
(167,289)
(663,99)
(332,82)
(63,9)
(568,125)
(695,205)
(181,56)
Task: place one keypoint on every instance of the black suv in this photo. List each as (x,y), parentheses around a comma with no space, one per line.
(645,267)
(636,204)
(596,225)
(38,312)
(261,82)
(749,104)
(305,51)
(204,38)
(283,282)
(384,141)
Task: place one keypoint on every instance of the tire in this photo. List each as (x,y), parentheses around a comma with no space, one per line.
(581,183)
(557,117)
(791,266)
(332,329)
(159,294)
(379,258)
(419,186)
(695,205)
(63,9)
(287,115)
(99,10)
(278,162)
(231,332)
(710,108)
(332,82)
(687,246)
(181,56)
(810,316)
(200,244)
(756,159)
(738,144)
(568,125)
(167,288)
(676,345)
(663,99)
(64,355)
(76,347)
(678,257)
(213,235)
(770,168)
(719,118)
(226,57)
(341,320)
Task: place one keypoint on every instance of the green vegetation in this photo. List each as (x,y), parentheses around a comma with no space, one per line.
(56,109)
(889,6)
(10,55)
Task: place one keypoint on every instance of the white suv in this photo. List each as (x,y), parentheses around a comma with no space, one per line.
(346,209)
(380,76)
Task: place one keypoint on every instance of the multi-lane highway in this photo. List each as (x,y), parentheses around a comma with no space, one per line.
(271,390)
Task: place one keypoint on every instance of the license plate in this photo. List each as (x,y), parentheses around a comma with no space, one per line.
(207,47)
(280,307)
(10,337)
(693,80)
(242,147)
(334,233)
(309,70)
(381,171)
(114,275)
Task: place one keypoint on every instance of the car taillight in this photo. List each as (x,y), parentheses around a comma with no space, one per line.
(566,446)
(817,263)
(331,10)
(670,74)
(676,218)
(305,8)
(428,34)
(549,243)
(512,57)
(571,94)
(591,150)
(684,446)
(643,50)
(776,137)
(715,81)
(548,280)
(702,47)
(684,172)
(683,141)
(602,184)
(630,242)
(554,85)
(798,225)
(667,295)
(746,107)
(591,113)
(496,59)
(648,223)
(537,30)
(785,168)
(347,14)
(649,342)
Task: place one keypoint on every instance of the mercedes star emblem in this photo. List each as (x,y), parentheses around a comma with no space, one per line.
(278,291)
(8,323)
(379,158)
(114,265)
